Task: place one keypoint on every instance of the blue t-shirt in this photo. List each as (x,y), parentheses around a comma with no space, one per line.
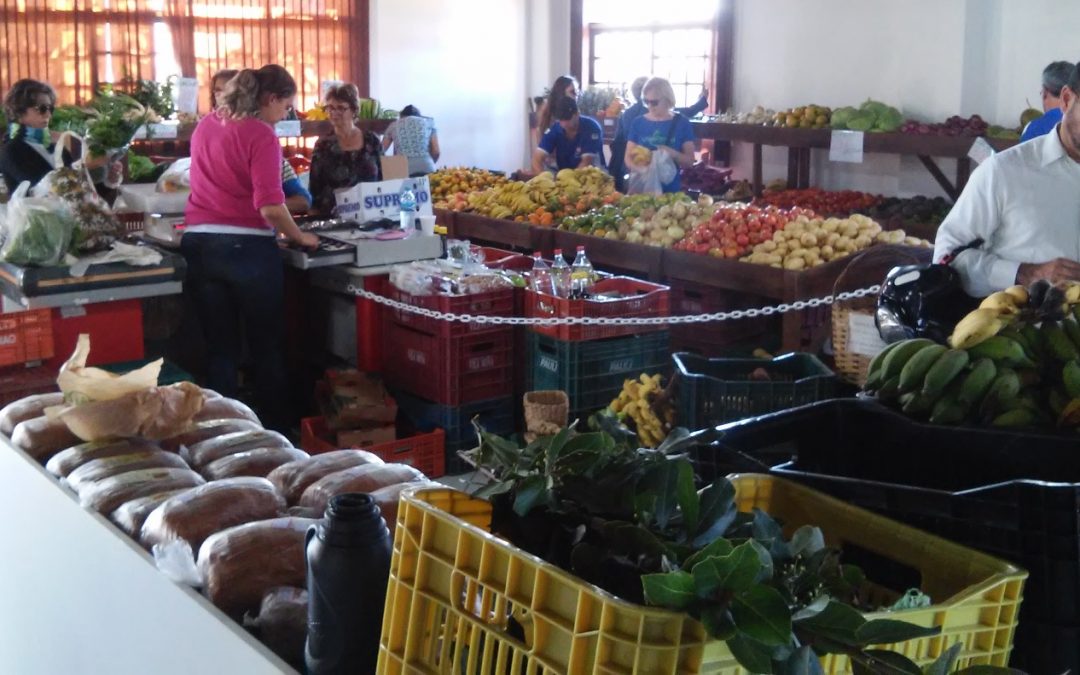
(589,140)
(1041,125)
(650,134)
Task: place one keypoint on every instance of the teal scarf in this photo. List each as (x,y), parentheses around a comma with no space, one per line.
(29,134)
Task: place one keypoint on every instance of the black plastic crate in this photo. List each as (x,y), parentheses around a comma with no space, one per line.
(592,372)
(496,416)
(714,391)
(1011,494)
(1045,648)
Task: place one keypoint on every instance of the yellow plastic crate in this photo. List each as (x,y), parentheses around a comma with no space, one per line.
(454,588)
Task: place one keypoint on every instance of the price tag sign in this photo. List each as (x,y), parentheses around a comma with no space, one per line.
(981,150)
(156,132)
(287,128)
(187,95)
(864,337)
(846,146)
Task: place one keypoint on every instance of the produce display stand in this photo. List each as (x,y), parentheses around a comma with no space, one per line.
(800,142)
(79,596)
(307,129)
(482,229)
(613,255)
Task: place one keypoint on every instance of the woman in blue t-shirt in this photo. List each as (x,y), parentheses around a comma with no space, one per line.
(661,130)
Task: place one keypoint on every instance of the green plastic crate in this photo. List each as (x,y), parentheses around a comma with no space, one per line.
(592,372)
(714,391)
(170,372)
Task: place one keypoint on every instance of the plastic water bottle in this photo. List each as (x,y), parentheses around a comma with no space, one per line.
(582,275)
(560,275)
(540,279)
(407,202)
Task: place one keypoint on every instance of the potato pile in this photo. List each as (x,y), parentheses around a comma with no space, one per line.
(808,242)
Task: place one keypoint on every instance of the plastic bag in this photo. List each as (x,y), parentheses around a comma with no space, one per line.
(652,178)
(177,177)
(80,383)
(38,229)
(282,622)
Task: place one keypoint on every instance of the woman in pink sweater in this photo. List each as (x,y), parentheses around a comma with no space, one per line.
(234,214)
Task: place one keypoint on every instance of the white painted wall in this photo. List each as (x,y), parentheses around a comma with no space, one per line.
(461,62)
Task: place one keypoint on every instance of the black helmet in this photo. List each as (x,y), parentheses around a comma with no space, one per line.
(921,301)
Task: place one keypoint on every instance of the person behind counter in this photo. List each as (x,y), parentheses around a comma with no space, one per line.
(661,129)
(414,136)
(27,151)
(234,266)
(565,85)
(1024,203)
(297,197)
(1054,78)
(348,155)
(575,141)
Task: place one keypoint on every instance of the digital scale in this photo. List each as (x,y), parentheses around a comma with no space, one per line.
(343,242)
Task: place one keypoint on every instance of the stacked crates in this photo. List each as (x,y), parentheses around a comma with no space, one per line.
(590,362)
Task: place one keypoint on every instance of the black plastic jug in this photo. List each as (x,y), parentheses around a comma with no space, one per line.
(348,563)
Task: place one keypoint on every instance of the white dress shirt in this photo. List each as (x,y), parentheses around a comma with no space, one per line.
(1024,203)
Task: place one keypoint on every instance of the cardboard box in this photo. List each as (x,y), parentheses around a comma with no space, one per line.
(351,399)
(362,438)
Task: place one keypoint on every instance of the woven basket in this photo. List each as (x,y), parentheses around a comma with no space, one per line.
(545,413)
(870,266)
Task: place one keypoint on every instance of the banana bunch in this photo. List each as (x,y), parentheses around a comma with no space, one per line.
(646,402)
(1013,362)
(517,198)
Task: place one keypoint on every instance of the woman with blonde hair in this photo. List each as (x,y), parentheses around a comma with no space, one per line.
(234,215)
(345,157)
(661,130)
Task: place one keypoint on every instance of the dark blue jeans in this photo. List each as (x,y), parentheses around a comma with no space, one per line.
(234,279)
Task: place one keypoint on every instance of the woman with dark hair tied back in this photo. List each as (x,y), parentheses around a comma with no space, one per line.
(345,157)
(234,214)
(565,85)
(413,135)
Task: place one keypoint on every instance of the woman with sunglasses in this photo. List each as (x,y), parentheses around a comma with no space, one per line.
(661,130)
(347,156)
(235,211)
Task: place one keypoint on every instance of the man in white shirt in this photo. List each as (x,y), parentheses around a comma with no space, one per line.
(1024,203)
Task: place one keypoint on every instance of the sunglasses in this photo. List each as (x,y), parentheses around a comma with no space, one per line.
(651,101)
(43,108)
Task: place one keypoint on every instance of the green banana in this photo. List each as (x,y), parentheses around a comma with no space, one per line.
(1017,417)
(944,371)
(1036,344)
(1058,343)
(915,404)
(1076,312)
(1057,400)
(1014,333)
(1072,329)
(948,410)
(977,382)
(1002,393)
(1070,377)
(898,357)
(889,389)
(914,371)
(1005,350)
(874,373)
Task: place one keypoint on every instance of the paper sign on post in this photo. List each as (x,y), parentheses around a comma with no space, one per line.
(846,146)
(287,128)
(981,150)
(187,95)
(864,338)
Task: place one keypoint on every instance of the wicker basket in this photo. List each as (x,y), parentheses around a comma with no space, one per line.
(545,413)
(850,362)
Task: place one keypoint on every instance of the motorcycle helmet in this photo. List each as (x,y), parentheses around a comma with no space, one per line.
(921,301)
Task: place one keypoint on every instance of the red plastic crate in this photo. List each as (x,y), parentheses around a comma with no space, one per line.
(426,452)
(449,371)
(115,329)
(26,336)
(501,259)
(491,303)
(19,382)
(644,300)
(369,319)
(689,298)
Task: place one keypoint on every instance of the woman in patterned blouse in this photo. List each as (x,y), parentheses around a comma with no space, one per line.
(414,136)
(347,156)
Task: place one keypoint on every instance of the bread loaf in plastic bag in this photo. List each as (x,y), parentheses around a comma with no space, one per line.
(154,413)
(131,515)
(27,408)
(105,496)
(257,462)
(225,408)
(293,478)
(41,437)
(204,452)
(365,478)
(202,431)
(99,469)
(282,623)
(196,514)
(240,564)
(64,462)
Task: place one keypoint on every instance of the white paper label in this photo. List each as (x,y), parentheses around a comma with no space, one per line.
(846,146)
(187,95)
(287,128)
(70,312)
(863,336)
(981,150)
(155,132)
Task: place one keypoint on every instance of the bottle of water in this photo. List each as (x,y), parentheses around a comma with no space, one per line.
(407,202)
(582,275)
(540,279)
(560,275)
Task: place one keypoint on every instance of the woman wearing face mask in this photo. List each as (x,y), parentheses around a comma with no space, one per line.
(346,157)
(236,208)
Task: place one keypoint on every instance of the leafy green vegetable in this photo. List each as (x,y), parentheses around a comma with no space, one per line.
(42,239)
(140,168)
(114,119)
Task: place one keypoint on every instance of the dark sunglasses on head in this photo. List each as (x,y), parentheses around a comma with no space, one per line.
(43,108)
(651,101)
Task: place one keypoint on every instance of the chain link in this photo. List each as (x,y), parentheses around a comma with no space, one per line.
(613,321)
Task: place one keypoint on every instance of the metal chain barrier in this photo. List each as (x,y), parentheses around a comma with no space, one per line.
(614,321)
